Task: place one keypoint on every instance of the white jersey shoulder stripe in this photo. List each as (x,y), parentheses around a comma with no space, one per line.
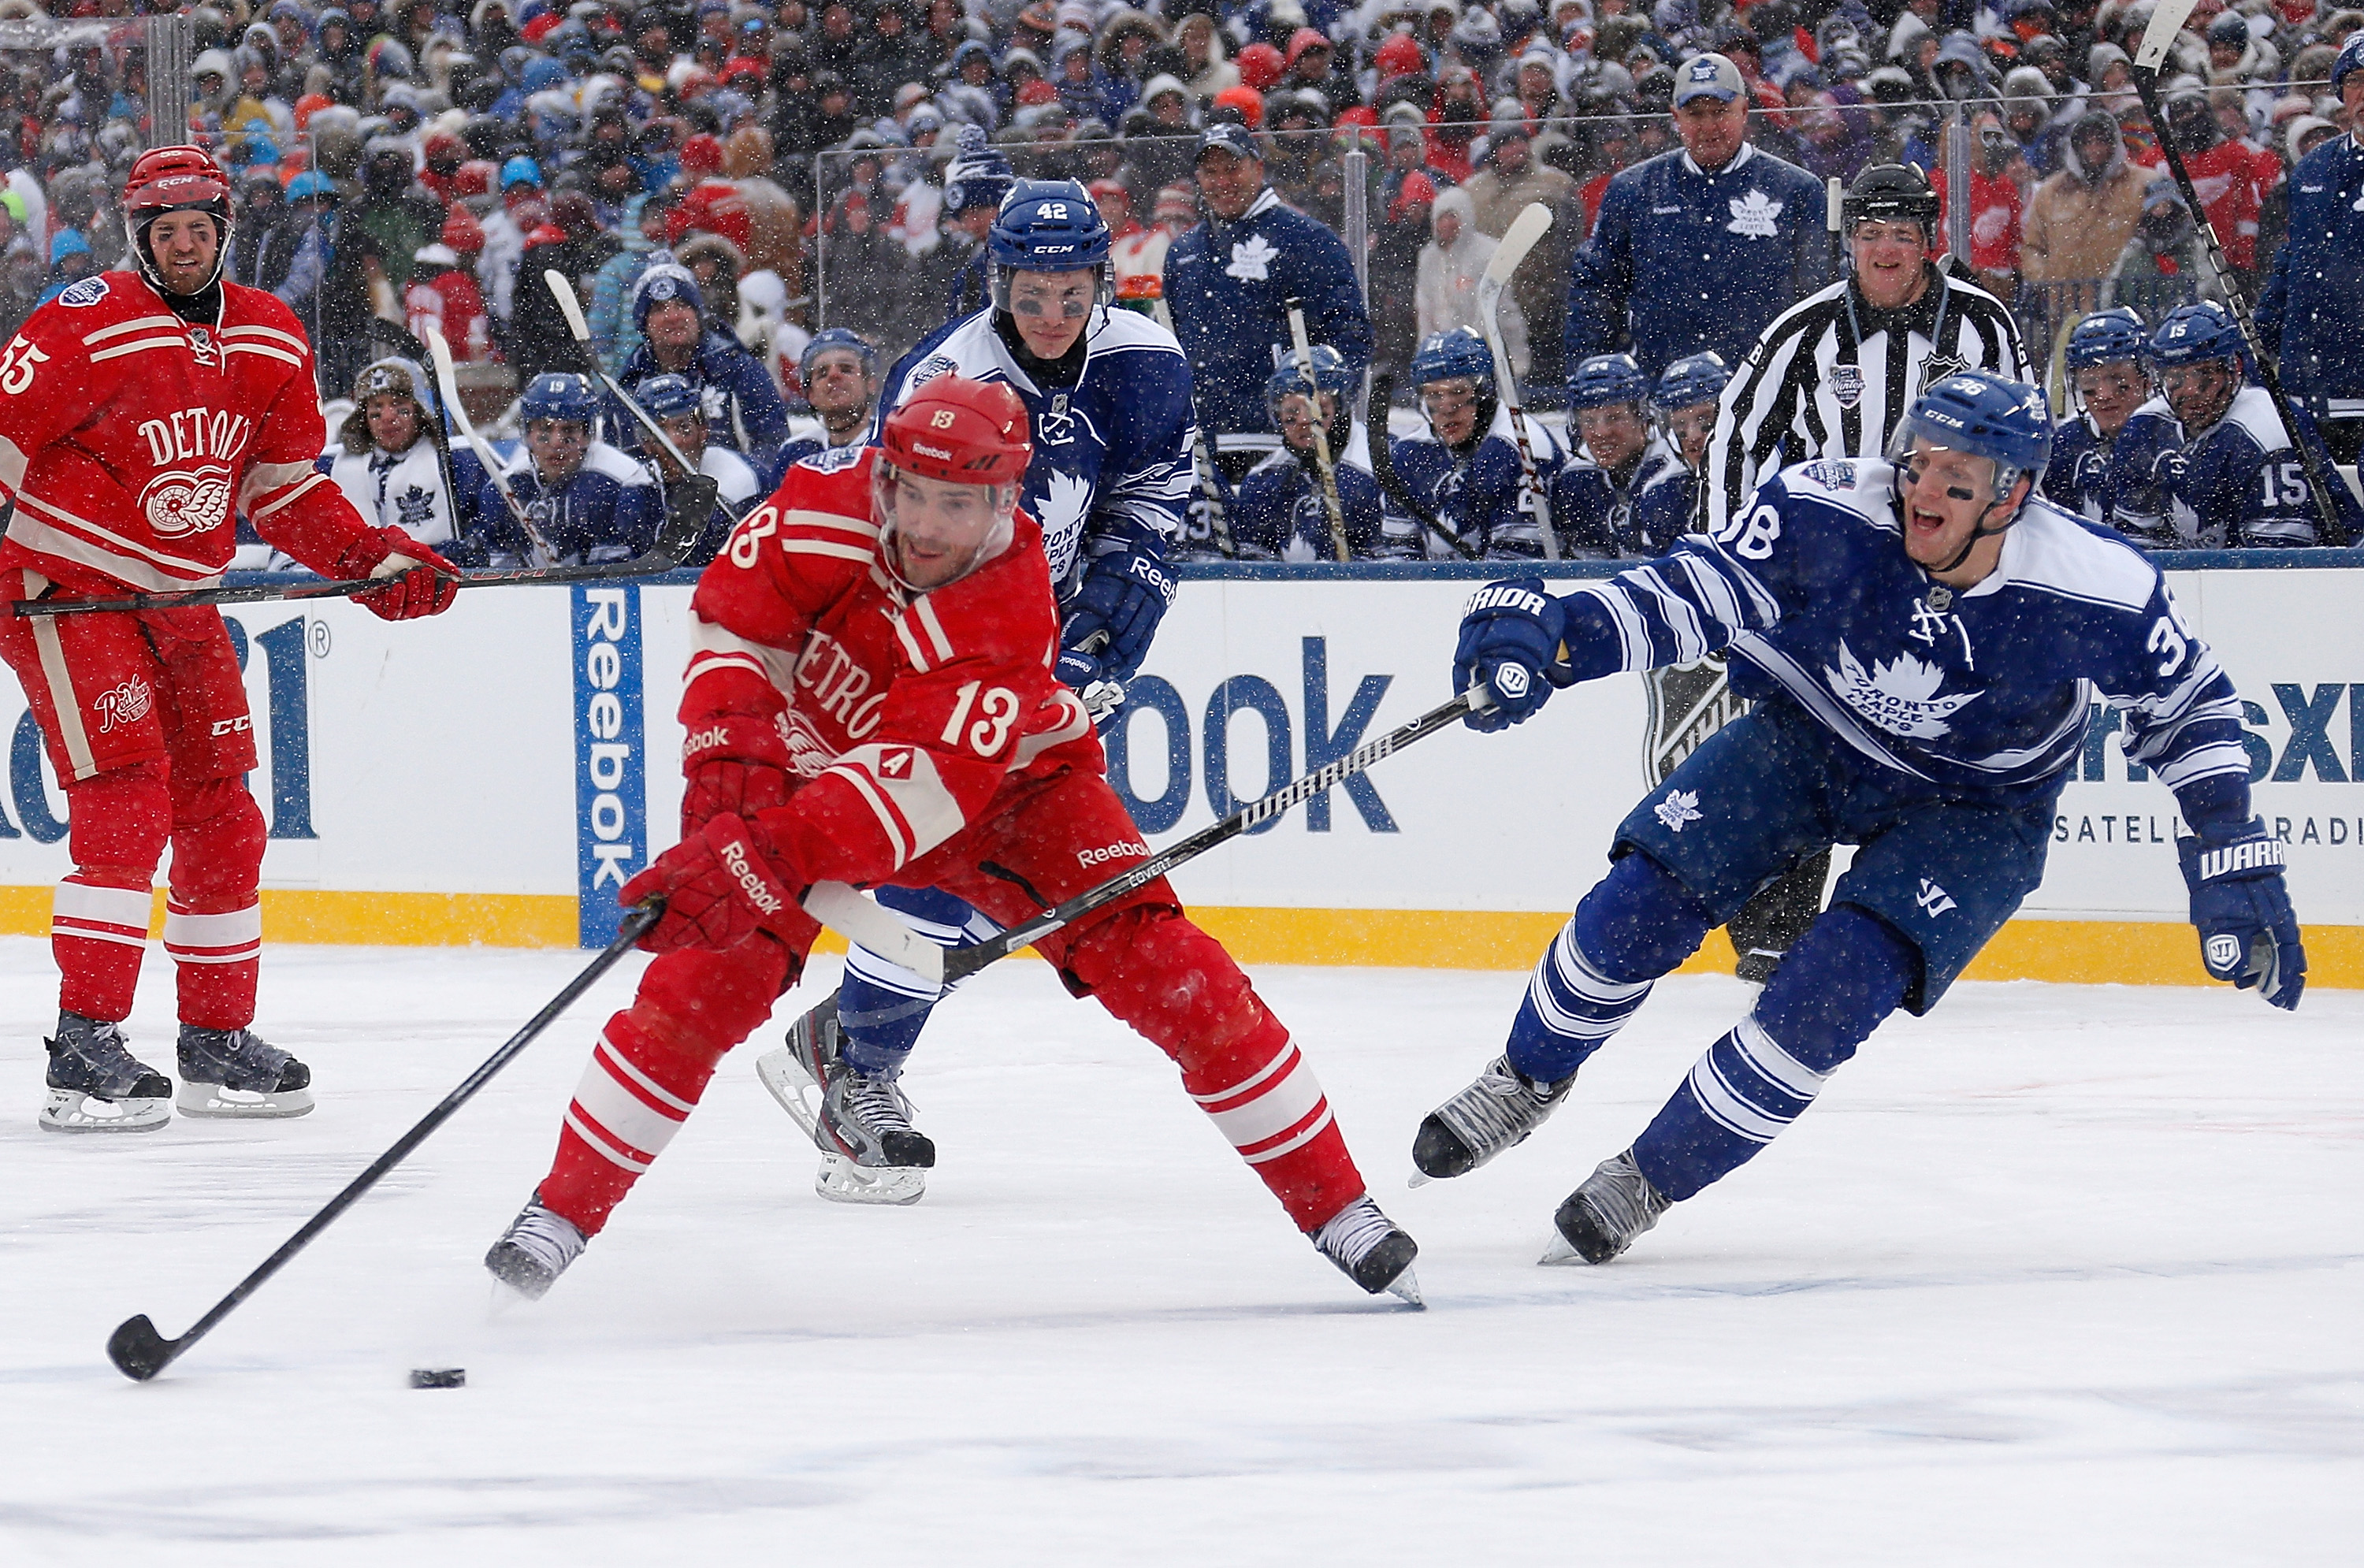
(137,324)
(805,517)
(2050,552)
(267,351)
(137,345)
(274,333)
(616,464)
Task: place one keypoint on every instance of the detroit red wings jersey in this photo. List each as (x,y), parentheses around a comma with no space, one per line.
(129,439)
(903,716)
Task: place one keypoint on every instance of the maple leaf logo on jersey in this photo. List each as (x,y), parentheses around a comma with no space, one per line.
(1899,696)
(1061,513)
(1252,260)
(1753,215)
(1681,806)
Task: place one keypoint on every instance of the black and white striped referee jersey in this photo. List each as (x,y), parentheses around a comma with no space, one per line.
(1832,377)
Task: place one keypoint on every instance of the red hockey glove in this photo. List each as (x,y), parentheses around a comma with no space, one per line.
(719,888)
(418,581)
(734,765)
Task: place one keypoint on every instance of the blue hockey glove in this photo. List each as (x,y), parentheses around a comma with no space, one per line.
(1124,595)
(2248,933)
(1510,638)
(1081,672)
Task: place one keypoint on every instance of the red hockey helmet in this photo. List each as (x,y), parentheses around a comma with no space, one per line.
(174,179)
(968,432)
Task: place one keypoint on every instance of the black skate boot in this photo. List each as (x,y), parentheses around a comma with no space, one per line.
(234,1072)
(1371,1250)
(1602,1218)
(861,1123)
(1495,1113)
(98,1085)
(534,1251)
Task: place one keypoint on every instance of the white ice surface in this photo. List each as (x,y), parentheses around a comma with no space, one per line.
(2063,1275)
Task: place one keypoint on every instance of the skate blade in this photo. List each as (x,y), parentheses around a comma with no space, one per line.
(71,1110)
(232,1105)
(784,1076)
(1419,1180)
(1405,1287)
(840,1180)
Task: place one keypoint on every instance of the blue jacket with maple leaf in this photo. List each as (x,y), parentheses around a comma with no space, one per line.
(1682,262)
(1228,287)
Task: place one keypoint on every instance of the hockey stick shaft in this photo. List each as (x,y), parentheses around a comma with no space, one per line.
(448,381)
(643,565)
(2164,24)
(962,962)
(1211,484)
(1322,461)
(1517,242)
(1383,469)
(139,1352)
(580,328)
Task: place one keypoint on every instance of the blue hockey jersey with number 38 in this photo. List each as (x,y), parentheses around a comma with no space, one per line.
(1979,694)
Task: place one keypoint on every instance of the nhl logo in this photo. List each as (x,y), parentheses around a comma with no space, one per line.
(1847,384)
(1937,367)
(201,347)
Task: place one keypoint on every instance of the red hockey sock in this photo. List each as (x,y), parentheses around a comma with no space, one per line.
(213,921)
(1153,969)
(98,924)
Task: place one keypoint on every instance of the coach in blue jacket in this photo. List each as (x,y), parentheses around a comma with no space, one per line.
(1696,251)
(2313,313)
(1228,283)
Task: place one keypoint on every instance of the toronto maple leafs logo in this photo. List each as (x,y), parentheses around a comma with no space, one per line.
(1899,696)
(1252,260)
(414,509)
(1060,509)
(1681,806)
(1753,215)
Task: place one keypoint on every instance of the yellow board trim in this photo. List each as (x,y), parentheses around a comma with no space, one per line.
(2122,953)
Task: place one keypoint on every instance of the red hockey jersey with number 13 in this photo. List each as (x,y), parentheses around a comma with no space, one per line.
(901,717)
(130,438)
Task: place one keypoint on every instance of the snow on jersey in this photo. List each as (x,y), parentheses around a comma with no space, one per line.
(130,439)
(1111,454)
(903,716)
(1981,690)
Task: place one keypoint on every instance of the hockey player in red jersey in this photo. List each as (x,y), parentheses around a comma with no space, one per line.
(138,410)
(871,700)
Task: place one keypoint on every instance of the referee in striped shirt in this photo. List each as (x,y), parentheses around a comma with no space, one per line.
(1833,373)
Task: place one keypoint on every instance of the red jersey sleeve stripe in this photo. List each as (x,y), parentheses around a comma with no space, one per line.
(934,629)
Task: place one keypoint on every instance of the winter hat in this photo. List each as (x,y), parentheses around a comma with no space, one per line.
(666,280)
(1401,56)
(1174,201)
(1418,190)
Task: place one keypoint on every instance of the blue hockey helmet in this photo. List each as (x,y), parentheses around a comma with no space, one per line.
(1443,356)
(664,396)
(840,339)
(1048,226)
(561,395)
(2007,422)
(1606,379)
(1688,383)
(2194,334)
(2106,338)
(1329,373)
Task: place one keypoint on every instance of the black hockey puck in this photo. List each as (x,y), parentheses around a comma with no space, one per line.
(439,1377)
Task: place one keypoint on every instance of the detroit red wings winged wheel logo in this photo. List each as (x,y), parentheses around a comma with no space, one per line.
(188,501)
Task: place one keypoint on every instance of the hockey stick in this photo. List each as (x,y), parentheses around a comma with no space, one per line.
(139,1352)
(2166,21)
(1834,204)
(1211,484)
(386,331)
(1383,469)
(572,308)
(1321,465)
(448,380)
(1517,241)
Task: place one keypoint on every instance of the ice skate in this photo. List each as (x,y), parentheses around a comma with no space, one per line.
(1371,1250)
(234,1073)
(534,1251)
(96,1085)
(1495,1113)
(860,1124)
(1602,1218)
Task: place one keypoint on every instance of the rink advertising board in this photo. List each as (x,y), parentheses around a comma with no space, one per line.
(487,776)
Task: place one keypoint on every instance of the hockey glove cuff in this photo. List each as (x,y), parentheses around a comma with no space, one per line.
(2248,933)
(1125,593)
(733,765)
(719,887)
(418,582)
(1510,638)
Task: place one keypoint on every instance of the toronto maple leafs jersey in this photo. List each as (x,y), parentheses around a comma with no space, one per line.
(1595,514)
(2308,313)
(608,511)
(2132,488)
(1112,452)
(1832,377)
(1979,694)
(2244,485)
(1666,508)
(404,489)
(1475,495)
(1279,513)
(1227,287)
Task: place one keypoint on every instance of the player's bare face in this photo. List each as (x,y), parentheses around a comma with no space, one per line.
(674,328)
(1690,429)
(1296,421)
(1712,132)
(1613,434)
(1889,263)
(2200,393)
(937,530)
(1945,496)
(185,245)
(837,389)
(1228,183)
(2110,393)
(557,447)
(687,432)
(392,421)
(1051,309)
(1452,408)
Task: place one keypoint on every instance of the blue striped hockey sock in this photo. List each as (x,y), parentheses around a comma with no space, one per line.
(881,1005)
(1850,971)
(1635,926)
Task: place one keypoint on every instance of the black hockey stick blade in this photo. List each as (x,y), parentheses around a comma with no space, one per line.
(689,507)
(139,1352)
